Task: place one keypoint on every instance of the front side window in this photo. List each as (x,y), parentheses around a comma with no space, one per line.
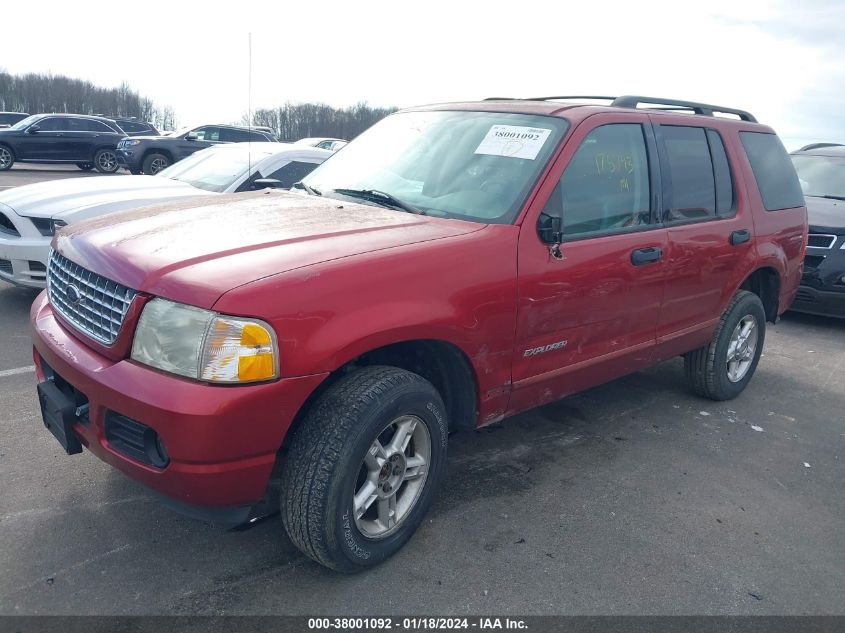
(208,133)
(821,176)
(605,187)
(55,124)
(477,166)
(773,171)
(293,172)
(214,169)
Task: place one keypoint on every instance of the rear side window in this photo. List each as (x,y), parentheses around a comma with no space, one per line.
(234,136)
(775,175)
(698,172)
(132,127)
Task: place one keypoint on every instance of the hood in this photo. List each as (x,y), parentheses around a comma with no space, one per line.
(194,251)
(152,137)
(75,199)
(826,215)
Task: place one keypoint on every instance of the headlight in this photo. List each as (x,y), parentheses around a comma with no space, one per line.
(130,142)
(204,345)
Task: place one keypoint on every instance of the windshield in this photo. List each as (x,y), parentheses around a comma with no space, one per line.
(215,169)
(821,175)
(477,166)
(25,123)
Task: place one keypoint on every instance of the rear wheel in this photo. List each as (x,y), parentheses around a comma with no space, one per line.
(7,159)
(154,163)
(363,467)
(105,161)
(722,369)
(85,166)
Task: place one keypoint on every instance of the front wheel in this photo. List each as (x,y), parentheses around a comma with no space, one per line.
(7,159)
(105,161)
(722,369)
(154,163)
(363,466)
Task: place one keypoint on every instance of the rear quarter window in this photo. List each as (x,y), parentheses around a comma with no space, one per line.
(774,172)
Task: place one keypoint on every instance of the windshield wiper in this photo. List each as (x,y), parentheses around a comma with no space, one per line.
(380,197)
(311,190)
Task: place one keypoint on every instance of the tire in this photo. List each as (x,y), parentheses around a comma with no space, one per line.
(708,370)
(7,158)
(154,163)
(105,161)
(85,166)
(331,459)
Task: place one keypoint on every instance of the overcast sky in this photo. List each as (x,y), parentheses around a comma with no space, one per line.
(783,61)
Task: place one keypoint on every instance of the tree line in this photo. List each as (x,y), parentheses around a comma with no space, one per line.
(293,121)
(42,93)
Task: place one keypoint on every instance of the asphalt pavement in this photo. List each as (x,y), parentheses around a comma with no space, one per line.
(636,497)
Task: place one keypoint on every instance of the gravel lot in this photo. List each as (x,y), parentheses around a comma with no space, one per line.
(632,498)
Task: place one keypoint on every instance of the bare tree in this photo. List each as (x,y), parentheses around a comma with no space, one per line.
(39,93)
(293,121)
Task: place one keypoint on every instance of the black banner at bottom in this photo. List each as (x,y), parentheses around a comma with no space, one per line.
(378,624)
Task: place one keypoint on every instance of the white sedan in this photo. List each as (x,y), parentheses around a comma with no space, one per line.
(29,215)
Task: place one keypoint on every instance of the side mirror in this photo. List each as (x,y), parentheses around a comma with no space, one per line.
(32,129)
(549,228)
(191,136)
(267,183)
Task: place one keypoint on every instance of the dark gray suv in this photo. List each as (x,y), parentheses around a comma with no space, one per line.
(150,154)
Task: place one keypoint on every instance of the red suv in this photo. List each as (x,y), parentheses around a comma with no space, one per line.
(452,266)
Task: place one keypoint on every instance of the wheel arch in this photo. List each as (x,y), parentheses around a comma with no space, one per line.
(157,150)
(765,282)
(442,363)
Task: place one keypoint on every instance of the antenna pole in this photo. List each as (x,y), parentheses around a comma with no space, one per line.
(249,108)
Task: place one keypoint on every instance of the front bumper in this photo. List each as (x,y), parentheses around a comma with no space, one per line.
(222,440)
(129,159)
(23,260)
(820,302)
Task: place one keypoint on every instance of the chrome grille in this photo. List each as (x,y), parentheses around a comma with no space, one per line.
(93,304)
(820,240)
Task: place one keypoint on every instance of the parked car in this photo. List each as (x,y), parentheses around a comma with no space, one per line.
(29,215)
(87,141)
(453,265)
(8,119)
(821,170)
(332,144)
(136,127)
(150,154)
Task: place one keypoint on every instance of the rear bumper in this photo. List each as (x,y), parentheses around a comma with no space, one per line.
(222,440)
(23,261)
(821,302)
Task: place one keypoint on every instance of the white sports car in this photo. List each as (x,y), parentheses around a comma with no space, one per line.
(29,215)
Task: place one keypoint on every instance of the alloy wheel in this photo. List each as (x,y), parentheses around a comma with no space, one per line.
(392,477)
(107,161)
(742,347)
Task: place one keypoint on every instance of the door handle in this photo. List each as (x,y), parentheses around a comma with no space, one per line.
(643,256)
(740,237)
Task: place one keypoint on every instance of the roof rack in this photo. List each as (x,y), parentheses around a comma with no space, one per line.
(629,101)
(819,146)
(632,101)
(570,97)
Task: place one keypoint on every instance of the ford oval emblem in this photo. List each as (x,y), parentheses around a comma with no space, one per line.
(73,295)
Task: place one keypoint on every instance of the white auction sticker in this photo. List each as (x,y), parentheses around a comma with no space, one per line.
(514,141)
